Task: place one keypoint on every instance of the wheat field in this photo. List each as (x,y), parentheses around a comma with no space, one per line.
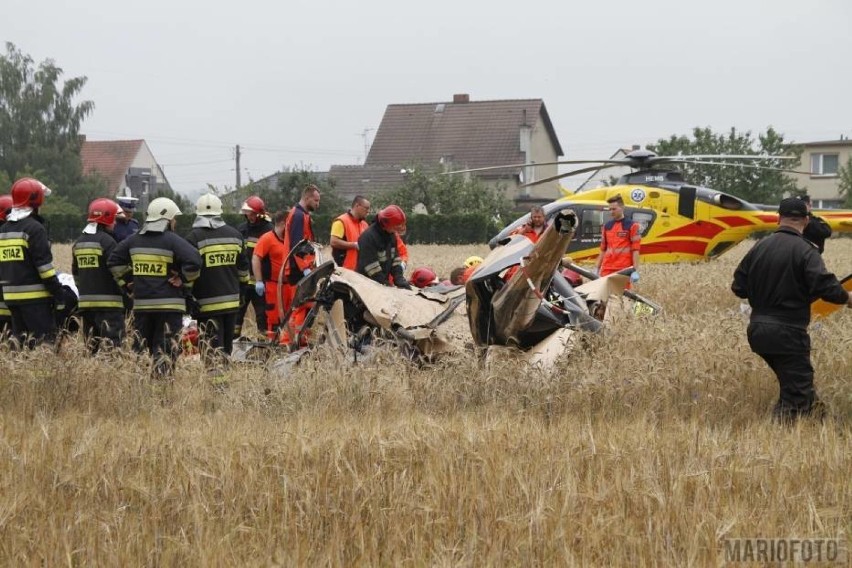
(647,447)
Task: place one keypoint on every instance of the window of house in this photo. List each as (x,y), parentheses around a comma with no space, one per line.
(824,164)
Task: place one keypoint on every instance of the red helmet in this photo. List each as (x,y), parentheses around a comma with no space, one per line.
(392,218)
(423,276)
(253,204)
(103,211)
(29,192)
(5,205)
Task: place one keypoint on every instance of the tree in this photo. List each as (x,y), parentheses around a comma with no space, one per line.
(752,184)
(39,121)
(845,181)
(445,194)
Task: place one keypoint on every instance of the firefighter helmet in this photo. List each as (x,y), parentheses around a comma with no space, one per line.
(253,204)
(162,208)
(103,211)
(208,204)
(29,192)
(5,205)
(392,218)
(423,276)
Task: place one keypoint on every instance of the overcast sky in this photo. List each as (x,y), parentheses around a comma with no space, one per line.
(298,82)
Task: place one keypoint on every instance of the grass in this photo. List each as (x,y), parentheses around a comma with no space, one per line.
(646,448)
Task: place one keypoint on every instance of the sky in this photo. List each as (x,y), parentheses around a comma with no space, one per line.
(305,83)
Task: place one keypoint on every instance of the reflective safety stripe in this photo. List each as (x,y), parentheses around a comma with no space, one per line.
(202,244)
(153,251)
(618,250)
(88,247)
(144,257)
(27,292)
(93,301)
(169,304)
(4,311)
(46,271)
(217,303)
(382,256)
(119,270)
(373,268)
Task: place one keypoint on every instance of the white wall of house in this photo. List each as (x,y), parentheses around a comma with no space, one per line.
(823,161)
(145,159)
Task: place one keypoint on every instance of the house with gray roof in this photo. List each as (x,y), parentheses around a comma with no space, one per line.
(462,134)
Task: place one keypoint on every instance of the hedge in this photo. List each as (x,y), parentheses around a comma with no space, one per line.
(422,229)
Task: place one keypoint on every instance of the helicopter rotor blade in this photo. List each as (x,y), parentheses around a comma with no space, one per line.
(749,166)
(658,159)
(573,173)
(560,162)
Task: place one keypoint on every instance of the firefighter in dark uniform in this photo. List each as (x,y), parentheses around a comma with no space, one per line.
(31,289)
(125,224)
(100,303)
(378,255)
(157,266)
(5,314)
(224,272)
(257,224)
(780,276)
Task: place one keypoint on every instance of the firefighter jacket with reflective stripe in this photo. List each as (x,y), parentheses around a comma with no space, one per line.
(148,260)
(352,229)
(97,288)
(297,227)
(26,263)
(251,232)
(620,238)
(224,267)
(378,257)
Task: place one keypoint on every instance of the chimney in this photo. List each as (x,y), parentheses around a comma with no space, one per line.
(461,98)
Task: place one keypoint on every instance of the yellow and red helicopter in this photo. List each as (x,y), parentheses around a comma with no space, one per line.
(678,221)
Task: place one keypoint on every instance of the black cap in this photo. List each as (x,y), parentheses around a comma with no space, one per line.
(792,207)
(805,197)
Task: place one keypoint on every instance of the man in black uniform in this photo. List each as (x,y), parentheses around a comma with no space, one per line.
(100,303)
(125,224)
(224,271)
(31,289)
(157,266)
(257,224)
(780,276)
(817,230)
(378,257)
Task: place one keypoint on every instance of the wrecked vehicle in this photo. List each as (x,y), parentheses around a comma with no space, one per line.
(516,304)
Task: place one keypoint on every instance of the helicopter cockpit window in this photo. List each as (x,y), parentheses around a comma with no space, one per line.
(644,220)
(591,221)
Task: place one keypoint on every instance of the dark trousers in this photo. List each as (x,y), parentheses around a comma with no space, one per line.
(787,351)
(103,329)
(158,334)
(33,324)
(216,337)
(5,326)
(259,302)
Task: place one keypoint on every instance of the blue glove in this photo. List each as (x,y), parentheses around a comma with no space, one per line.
(634,277)
(306,271)
(259,288)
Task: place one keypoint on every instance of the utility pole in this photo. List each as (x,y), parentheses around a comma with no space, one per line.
(237,155)
(364,134)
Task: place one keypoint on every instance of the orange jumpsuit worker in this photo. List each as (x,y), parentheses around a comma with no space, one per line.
(533,228)
(620,242)
(298,228)
(266,262)
(345,231)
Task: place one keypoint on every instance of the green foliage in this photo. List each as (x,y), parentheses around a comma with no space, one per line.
(184,204)
(445,195)
(752,184)
(845,182)
(39,120)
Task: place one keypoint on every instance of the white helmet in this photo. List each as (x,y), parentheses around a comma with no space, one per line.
(162,208)
(208,204)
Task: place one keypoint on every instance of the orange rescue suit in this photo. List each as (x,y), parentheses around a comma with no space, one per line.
(619,240)
(352,229)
